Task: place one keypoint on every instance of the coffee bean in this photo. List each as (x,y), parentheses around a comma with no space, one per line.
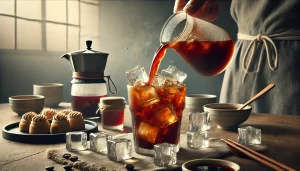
(129,167)
(66,155)
(49,168)
(68,167)
(73,158)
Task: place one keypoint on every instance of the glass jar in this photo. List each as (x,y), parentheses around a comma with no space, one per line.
(112,112)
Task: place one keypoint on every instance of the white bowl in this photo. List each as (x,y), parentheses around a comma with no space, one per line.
(53,93)
(217,162)
(226,115)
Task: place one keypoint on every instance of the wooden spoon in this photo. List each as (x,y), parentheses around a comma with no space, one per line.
(265,90)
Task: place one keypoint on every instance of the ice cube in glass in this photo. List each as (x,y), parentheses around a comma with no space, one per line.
(145,95)
(98,141)
(166,116)
(174,72)
(119,149)
(198,139)
(147,132)
(165,154)
(249,136)
(76,141)
(199,121)
(137,76)
(158,80)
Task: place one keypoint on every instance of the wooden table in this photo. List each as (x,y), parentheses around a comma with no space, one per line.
(280,133)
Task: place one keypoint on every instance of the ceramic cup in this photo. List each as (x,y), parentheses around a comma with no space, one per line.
(53,93)
(195,102)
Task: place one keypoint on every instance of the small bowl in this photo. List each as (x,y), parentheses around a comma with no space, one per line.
(53,93)
(226,115)
(192,164)
(195,102)
(25,103)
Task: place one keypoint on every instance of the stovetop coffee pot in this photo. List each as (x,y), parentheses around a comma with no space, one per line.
(88,83)
(87,61)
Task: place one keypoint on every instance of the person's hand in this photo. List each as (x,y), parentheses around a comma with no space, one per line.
(207,10)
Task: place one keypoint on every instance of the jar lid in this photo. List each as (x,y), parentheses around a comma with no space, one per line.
(112,100)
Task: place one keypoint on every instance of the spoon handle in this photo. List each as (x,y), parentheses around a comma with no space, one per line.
(262,92)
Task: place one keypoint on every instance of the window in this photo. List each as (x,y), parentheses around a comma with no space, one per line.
(48,25)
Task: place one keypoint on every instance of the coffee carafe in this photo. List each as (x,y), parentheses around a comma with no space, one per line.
(88,83)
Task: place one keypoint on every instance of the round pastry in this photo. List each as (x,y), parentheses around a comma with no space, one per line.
(26,120)
(60,123)
(76,120)
(39,125)
(66,111)
(49,113)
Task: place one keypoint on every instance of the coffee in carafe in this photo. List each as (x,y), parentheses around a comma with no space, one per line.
(207,48)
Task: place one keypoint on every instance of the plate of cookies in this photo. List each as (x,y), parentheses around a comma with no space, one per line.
(48,127)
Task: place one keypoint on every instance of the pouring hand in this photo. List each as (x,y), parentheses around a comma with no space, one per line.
(207,10)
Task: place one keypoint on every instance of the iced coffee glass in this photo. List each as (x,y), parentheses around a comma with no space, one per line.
(156,114)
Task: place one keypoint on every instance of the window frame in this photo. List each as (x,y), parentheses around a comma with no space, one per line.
(44,22)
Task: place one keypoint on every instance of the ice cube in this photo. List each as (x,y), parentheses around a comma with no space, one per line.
(137,76)
(165,154)
(166,116)
(249,136)
(199,121)
(76,141)
(98,141)
(147,132)
(198,139)
(173,72)
(145,95)
(119,149)
(166,93)
(158,80)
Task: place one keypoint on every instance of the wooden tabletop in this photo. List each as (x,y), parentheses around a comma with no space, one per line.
(280,134)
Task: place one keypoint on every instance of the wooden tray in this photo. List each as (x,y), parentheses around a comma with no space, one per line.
(11,132)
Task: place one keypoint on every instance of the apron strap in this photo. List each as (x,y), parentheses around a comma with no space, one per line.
(267,40)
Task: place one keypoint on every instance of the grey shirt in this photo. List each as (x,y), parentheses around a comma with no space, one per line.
(266,16)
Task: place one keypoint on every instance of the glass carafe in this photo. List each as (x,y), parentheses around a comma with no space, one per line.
(207,48)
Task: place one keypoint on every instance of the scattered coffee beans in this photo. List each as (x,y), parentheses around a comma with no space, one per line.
(68,167)
(129,167)
(73,158)
(66,155)
(49,168)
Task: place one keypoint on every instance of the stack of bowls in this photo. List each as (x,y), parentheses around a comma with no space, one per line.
(195,102)
(53,93)
(26,103)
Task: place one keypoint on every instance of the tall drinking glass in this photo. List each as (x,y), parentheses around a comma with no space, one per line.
(156,115)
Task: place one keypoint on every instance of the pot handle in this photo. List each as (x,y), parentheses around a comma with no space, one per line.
(111,81)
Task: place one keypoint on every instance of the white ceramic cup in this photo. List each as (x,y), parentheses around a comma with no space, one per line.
(53,93)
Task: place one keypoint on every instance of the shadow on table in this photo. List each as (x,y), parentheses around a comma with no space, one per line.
(275,129)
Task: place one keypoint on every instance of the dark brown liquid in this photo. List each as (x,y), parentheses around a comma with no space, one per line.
(86,105)
(209,167)
(147,115)
(208,58)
